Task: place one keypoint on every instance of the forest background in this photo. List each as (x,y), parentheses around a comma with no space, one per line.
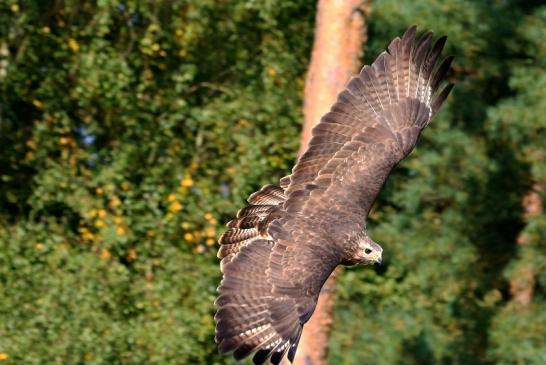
(131,131)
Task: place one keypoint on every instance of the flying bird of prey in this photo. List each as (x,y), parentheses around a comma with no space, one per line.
(281,248)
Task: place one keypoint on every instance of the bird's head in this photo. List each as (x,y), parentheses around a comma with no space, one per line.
(369,252)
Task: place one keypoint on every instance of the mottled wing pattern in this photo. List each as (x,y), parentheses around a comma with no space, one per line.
(373,125)
(269,290)
(280,250)
(251,222)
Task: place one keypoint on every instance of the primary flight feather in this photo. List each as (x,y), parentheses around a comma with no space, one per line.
(281,248)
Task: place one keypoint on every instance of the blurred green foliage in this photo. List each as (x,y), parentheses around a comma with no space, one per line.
(131,130)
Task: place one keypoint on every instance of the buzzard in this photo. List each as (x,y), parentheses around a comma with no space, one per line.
(281,248)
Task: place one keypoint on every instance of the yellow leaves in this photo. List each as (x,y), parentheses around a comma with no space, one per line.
(105,254)
(86,234)
(186,182)
(14,8)
(210,232)
(149,45)
(101,221)
(3,356)
(150,233)
(39,246)
(271,72)
(206,235)
(125,186)
(175,207)
(99,191)
(38,104)
(210,218)
(31,144)
(121,231)
(63,141)
(201,237)
(73,45)
(114,202)
(46,30)
(179,33)
(131,254)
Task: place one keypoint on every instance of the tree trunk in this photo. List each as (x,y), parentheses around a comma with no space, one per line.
(340,34)
(522,285)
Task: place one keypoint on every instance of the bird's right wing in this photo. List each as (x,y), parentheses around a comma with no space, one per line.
(373,125)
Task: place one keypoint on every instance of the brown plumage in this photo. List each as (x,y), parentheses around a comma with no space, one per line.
(281,248)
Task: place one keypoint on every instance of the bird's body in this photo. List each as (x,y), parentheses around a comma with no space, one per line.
(281,248)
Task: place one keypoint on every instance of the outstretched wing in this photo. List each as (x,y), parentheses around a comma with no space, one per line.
(281,249)
(373,125)
(270,287)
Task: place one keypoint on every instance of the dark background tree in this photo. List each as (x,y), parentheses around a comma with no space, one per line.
(130,131)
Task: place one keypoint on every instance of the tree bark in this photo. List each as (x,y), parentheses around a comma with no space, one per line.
(340,34)
(523,284)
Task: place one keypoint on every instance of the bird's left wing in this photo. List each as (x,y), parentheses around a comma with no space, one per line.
(272,277)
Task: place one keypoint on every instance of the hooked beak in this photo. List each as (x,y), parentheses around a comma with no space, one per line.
(379,260)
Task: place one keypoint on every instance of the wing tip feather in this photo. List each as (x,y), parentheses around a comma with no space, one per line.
(441,97)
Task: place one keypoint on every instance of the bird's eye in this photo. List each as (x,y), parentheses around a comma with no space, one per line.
(368,251)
